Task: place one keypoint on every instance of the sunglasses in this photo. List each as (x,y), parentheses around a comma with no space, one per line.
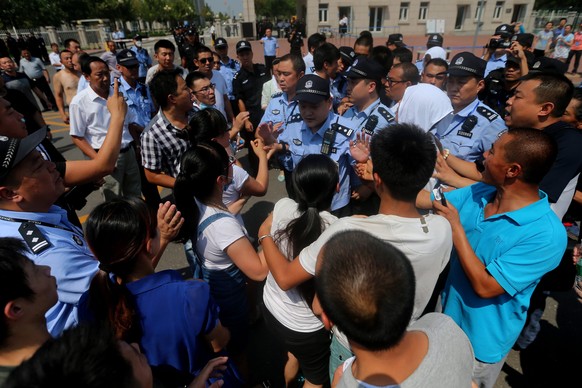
(206,60)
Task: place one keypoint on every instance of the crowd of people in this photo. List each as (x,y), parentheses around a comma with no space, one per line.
(424,206)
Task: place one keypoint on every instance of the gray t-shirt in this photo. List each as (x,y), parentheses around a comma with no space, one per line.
(448,362)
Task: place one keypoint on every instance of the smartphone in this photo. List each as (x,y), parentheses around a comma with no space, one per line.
(439,195)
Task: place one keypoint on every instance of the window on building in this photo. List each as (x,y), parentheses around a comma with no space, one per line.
(498,9)
(376,19)
(423,11)
(479,10)
(404,11)
(323,13)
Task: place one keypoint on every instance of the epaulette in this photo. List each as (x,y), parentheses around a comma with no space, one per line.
(488,114)
(235,75)
(275,95)
(346,131)
(33,237)
(386,114)
(295,118)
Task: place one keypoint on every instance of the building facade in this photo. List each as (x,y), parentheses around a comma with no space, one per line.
(413,17)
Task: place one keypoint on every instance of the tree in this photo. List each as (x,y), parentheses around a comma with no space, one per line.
(275,8)
(558,4)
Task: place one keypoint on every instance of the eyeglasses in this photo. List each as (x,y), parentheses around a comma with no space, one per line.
(206,89)
(206,60)
(392,82)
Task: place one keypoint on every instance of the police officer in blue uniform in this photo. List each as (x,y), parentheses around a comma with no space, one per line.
(228,68)
(472,127)
(140,103)
(368,113)
(320,131)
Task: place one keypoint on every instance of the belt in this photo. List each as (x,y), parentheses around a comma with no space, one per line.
(121,151)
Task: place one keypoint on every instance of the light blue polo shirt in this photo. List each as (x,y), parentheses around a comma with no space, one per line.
(517,248)
(384,116)
(270,46)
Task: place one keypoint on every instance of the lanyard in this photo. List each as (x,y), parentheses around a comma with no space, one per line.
(42,223)
(285,117)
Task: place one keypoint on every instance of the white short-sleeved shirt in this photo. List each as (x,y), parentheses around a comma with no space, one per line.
(89,118)
(218,236)
(288,307)
(231,192)
(220,90)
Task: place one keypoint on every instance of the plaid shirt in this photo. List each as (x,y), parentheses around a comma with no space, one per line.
(162,146)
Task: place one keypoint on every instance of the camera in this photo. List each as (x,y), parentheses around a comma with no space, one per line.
(497,43)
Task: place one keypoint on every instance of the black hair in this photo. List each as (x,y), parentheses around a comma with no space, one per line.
(13,281)
(68,42)
(554,88)
(383,56)
(163,84)
(199,168)
(404,157)
(409,72)
(86,64)
(65,51)
(83,356)
(364,40)
(438,62)
(315,40)
(202,49)
(296,60)
(366,287)
(116,232)
(315,181)
(205,125)
(164,43)
(194,76)
(578,97)
(534,150)
(327,52)
(365,33)
(403,54)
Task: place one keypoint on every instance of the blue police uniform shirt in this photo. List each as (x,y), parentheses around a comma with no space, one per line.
(270,46)
(338,89)
(495,63)
(228,70)
(364,119)
(138,100)
(144,59)
(517,249)
(301,142)
(71,262)
(281,110)
(470,144)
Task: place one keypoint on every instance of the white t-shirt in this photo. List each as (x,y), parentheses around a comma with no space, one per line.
(231,192)
(55,58)
(288,307)
(218,236)
(428,252)
(219,91)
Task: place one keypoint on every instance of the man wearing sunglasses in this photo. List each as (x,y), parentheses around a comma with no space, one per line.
(204,60)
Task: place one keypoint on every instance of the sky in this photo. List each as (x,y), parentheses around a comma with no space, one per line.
(230,7)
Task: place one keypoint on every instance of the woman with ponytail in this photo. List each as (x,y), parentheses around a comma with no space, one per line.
(288,311)
(224,253)
(174,321)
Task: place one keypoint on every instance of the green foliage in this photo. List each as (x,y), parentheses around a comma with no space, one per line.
(558,4)
(275,8)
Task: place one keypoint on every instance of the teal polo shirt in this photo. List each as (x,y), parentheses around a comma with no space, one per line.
(517,248)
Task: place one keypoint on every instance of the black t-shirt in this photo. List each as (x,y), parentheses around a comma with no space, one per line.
(568,161)
(248,87)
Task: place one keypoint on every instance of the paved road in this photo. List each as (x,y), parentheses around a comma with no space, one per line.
(552,360)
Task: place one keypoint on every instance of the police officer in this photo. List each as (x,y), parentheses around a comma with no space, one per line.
(139,101)
(368,113)
(320,131)
(228,68)
(283,108)
(434,40)
(472,127)
(143,57)
(247,86)
(190,46)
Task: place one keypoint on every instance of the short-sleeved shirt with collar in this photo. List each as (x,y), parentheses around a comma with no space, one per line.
(281,110)
(144,59)
(495,63)
(33,68)
(138,100)
(228,69)
(517,249)
(71,261)
(89,118)
(270,46)
(470,143)
(162,145)
(248,87)
(301,142)
(364,119)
